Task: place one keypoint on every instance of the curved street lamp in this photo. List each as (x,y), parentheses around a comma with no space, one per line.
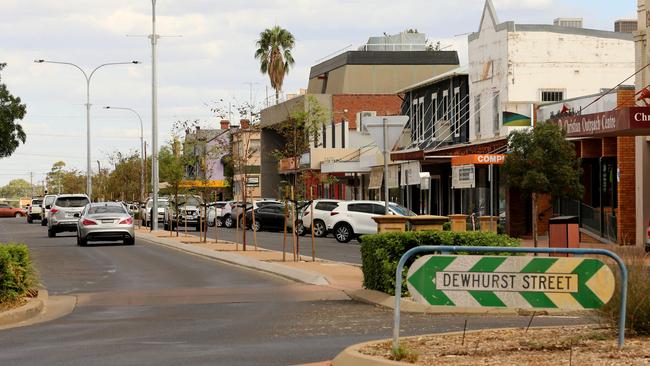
(88,77)
(141,147)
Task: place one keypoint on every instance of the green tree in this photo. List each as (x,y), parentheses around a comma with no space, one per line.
(274,52)
(16,188)
(542,161)
(124,181)
(55,178)
(11,109)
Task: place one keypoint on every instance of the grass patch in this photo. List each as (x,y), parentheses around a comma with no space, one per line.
(404,353)
(638,297)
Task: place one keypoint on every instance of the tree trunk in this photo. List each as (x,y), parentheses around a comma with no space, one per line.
(534,219)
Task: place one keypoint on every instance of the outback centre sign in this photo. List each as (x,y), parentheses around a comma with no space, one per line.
(510,281)
(629,121)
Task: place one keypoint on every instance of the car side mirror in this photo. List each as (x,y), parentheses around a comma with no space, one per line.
(77,215)
(48,207)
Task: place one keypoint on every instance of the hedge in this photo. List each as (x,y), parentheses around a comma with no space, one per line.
(381,252)
(17,276)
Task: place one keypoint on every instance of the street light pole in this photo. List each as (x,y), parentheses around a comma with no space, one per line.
(154,118)
(88,77)
(141,147)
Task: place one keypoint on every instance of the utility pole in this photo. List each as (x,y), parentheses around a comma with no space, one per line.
(31,183)
(154,118)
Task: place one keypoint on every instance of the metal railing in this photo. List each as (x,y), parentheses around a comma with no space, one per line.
(393,47)
(443,249)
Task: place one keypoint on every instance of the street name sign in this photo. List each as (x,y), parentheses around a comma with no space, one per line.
(510,282)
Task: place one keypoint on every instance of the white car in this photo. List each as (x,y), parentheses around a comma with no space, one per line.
(146,212)
(64,213)
(48,200)
(353,218)
(34,211)
(215,213)
(321,216)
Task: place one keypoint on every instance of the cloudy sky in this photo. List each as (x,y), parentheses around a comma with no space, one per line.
(212,60)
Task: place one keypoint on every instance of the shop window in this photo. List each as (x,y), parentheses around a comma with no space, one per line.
(496,113)
(434,113)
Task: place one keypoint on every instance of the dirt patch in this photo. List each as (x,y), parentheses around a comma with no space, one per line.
(575,345)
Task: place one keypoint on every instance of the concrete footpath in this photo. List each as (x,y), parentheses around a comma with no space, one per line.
(39,309)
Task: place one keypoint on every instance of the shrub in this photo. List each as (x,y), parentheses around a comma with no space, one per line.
(637,319)
(380,253)
(17,276)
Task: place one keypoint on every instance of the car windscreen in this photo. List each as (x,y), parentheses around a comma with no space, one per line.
(106,209)
(401,210)
(160,203)
(71,201)
(36,202)
(220,205)
(188,201)
(49,200)
(326,205)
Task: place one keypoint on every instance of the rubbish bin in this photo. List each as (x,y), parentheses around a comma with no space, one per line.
(563,232)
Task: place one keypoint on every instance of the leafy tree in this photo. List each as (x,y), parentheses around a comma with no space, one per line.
(16,188)
(55,178)
(274,52)
(542,161)
(123,182)
(11,109)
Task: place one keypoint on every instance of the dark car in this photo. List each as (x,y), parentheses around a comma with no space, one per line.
(268,217)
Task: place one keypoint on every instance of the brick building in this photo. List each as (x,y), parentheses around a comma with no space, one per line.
(603,129)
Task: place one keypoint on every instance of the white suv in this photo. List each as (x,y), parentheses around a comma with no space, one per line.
(353,218)
(48,200)
(321,216)
(64,213)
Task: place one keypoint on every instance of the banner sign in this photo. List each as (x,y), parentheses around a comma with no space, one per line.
(376,177)
(462,176)
(478,159)
(632,121)
(510,282)
(410,173)
(393,176)
(203,184)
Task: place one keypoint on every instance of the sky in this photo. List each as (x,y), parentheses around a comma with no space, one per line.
(205,55)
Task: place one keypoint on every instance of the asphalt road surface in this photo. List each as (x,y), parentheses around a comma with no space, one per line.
(326,247)
(150,305)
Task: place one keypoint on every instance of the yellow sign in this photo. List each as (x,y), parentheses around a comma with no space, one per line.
(204,184)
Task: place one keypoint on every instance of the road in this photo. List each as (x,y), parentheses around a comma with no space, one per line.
(326,247)
(150,305)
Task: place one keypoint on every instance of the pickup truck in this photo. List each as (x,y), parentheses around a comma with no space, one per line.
(34,210)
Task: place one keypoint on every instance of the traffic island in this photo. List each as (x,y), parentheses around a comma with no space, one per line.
(570,345)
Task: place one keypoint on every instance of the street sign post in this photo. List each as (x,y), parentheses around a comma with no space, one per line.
(511,282)
(587,270)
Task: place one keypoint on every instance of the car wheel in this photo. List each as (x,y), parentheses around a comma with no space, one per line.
(143,222)
(51,233)
(319,228)
(29,219)
(257,226)
(81,242)
(343,233)
(228,222)
(17,215)
(300,228)
(43,222)
(129,241)
(197,227)
(218,222)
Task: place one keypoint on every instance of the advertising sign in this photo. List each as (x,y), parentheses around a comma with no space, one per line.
(462,176)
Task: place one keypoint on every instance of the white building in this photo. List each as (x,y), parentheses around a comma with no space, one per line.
(512,66)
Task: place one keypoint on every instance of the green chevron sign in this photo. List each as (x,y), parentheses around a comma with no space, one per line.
(510,282)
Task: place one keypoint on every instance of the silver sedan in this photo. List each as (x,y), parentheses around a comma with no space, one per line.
(105,221)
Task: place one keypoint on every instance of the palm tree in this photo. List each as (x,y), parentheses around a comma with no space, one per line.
(274,53)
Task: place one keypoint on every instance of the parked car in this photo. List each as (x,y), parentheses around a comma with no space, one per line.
(63,214)
(145,212)
(105,221)
(34,210)
(7,211)
(185,211)
(234,211)
(321,216)
(215,213)
(353,218)
(269,216)
(48,200)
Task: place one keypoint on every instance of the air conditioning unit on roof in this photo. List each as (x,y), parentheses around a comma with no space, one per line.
(360,115)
